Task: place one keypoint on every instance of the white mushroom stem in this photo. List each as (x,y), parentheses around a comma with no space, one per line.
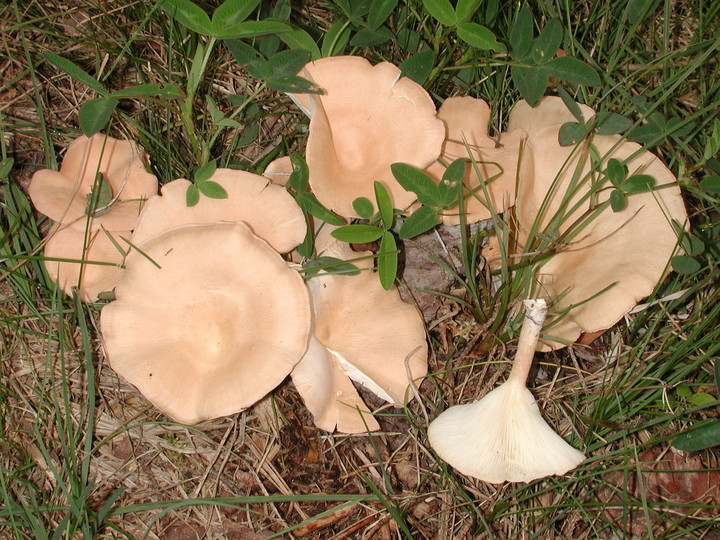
(503,437)
(535,313)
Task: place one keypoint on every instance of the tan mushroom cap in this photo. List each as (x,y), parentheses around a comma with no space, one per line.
(214,329)
(495,158)
(368,118)
(62,195)
(86,270)
(626,252)
(362,333)
(268,209)
(550,111)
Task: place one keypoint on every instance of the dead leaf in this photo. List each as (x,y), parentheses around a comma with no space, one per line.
(670,481)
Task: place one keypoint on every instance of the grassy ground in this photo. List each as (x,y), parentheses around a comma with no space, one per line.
(81,453)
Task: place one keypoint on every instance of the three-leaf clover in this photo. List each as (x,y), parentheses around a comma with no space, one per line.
(617,173)
(379,228)
(537,61)
(204,185)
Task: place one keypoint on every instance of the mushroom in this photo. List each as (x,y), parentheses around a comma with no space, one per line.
(207,320)
(63,195)
(95,199)
(600,270)
(494,158)
(368,118)
(267,208)
(502,437)
(360,332)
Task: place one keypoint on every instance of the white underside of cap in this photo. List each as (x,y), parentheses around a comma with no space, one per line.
(361,378)
(502,438)
(300,106)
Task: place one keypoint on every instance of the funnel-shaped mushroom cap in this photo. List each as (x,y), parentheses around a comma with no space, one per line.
(113,171)
(364,333)
(93,260)
(502,438)
(617,258)
(368,118)
(551,111)
(496,159)
(63,195)
(268,209)
(208,319)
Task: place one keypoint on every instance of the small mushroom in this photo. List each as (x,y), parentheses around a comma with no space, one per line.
(267,208)
(360,332)
(368,118)
(492,161)
(502,437)
(598,273)
(125,184)
(207,320)
(95,199)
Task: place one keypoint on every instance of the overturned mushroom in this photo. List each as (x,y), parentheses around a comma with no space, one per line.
(492,161)
(503,437)
(95,199)
(208,319)
(364,333)
(267,208)
(602,262)
(367,118)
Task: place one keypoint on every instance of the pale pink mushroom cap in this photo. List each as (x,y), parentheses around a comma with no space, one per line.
(62,195)
(86,271)
(368,118)
(496,159)
(630,249)
(81,239)
(364,333)
(373,331)
(267,208)
(218,326)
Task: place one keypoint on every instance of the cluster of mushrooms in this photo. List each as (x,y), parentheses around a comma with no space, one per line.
(212,311)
